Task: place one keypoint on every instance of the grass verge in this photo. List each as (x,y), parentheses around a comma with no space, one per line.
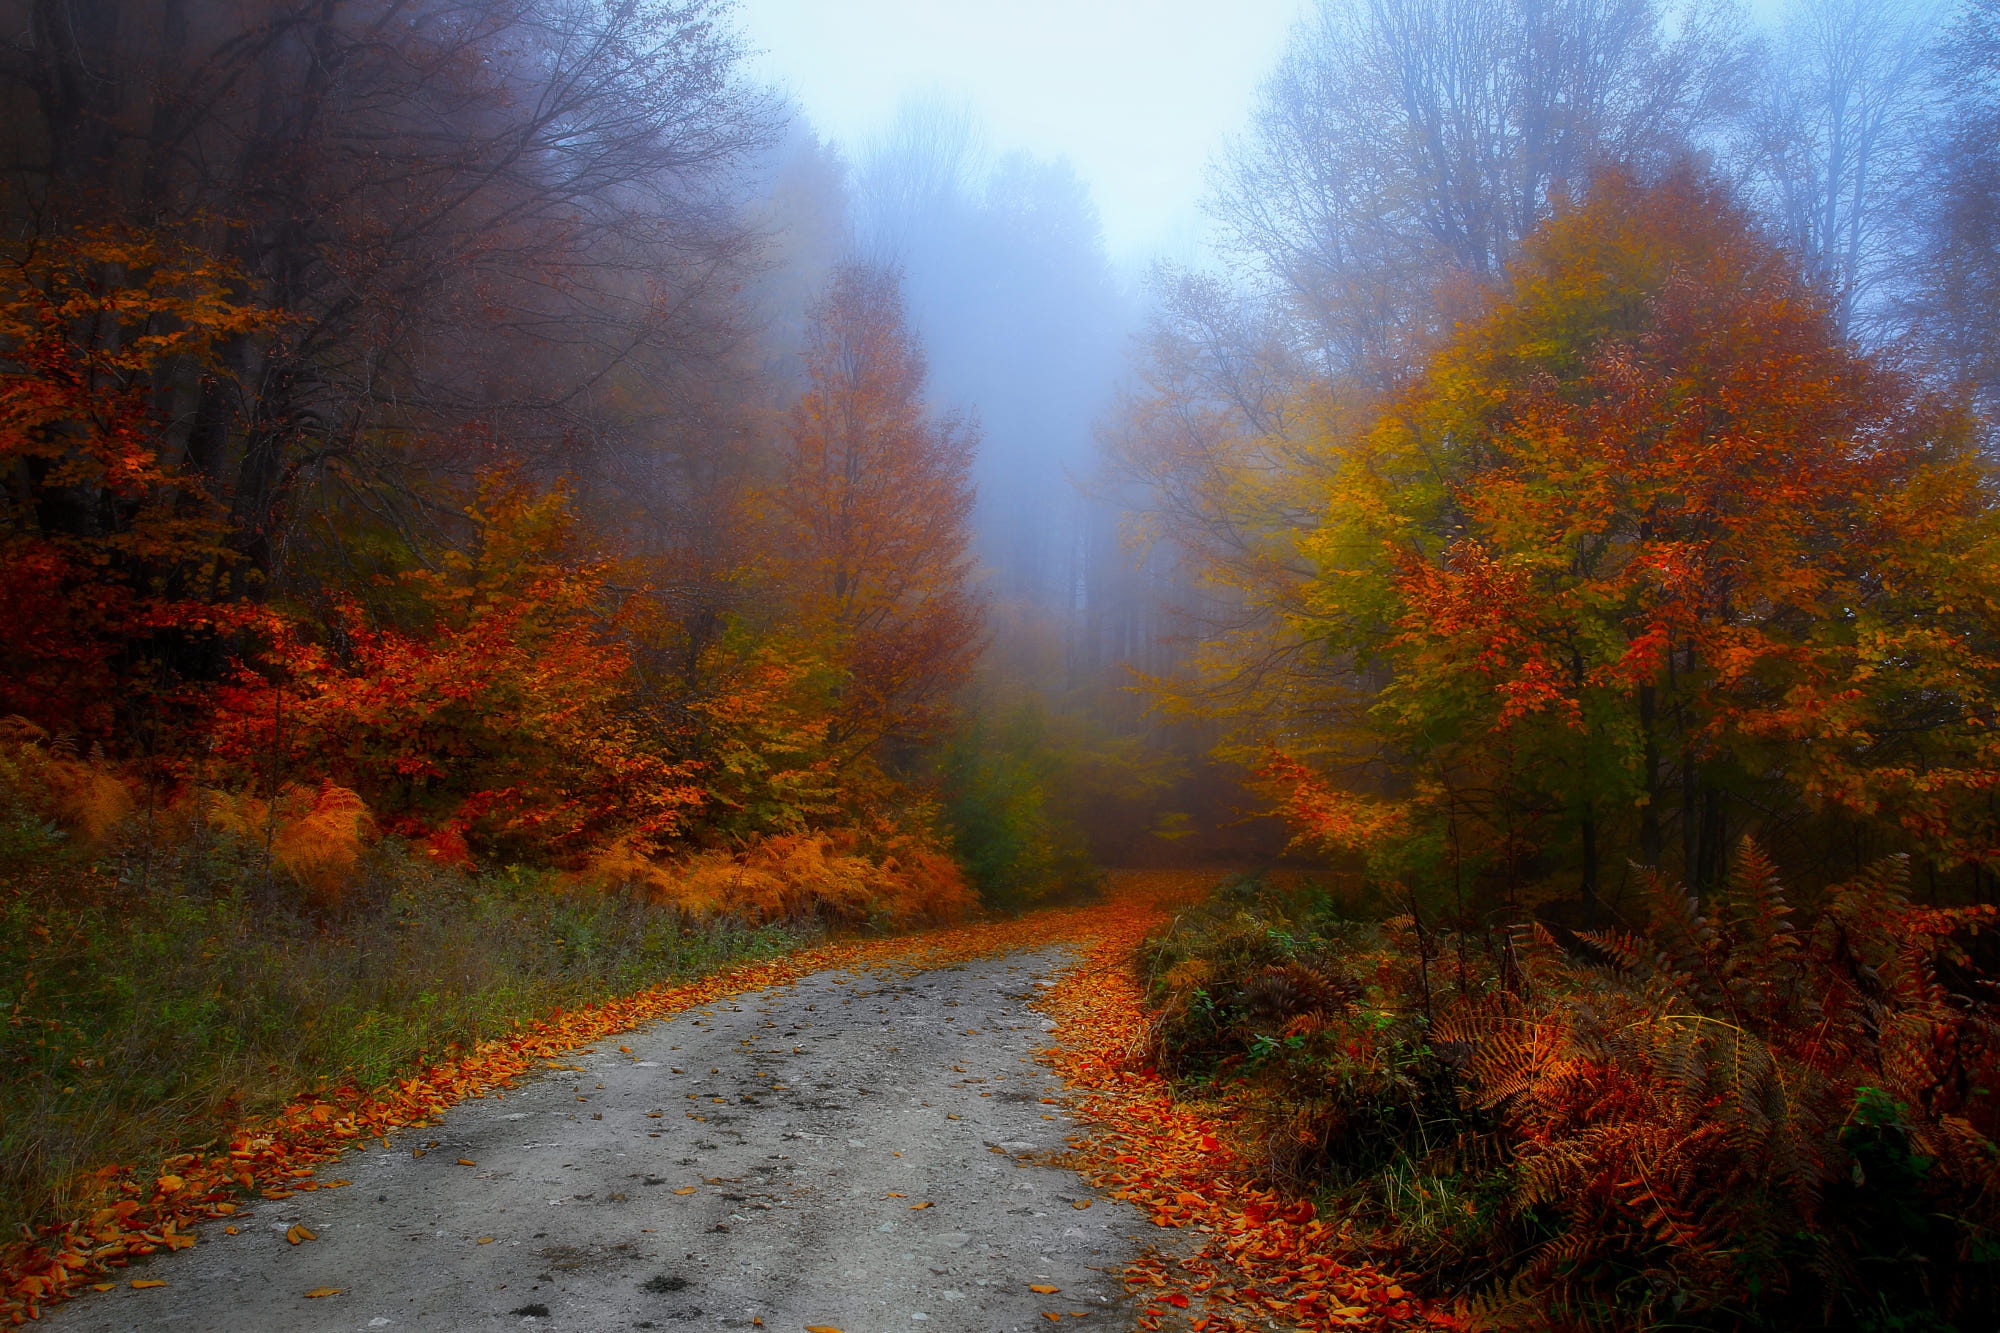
(154,997)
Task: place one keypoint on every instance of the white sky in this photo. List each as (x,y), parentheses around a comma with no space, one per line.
(1138,94)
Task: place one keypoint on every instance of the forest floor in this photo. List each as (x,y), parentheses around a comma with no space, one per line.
(948,1131)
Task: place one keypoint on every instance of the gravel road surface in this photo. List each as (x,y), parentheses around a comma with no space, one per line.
(863,1152)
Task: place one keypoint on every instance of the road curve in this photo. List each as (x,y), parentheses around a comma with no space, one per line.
(862,1151)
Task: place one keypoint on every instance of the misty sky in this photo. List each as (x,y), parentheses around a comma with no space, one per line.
(1138,94)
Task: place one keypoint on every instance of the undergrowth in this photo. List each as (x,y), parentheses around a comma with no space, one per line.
(162,979)
(1722,1117)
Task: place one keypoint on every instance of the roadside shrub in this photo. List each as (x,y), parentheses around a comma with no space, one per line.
(1722,1118)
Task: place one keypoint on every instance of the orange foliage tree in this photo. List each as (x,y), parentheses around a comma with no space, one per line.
(874,505)
(112,556)
(1649,543)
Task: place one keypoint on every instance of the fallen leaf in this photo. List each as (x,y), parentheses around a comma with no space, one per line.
(298,1232)
(170,1184)
(140,1284)
(467,1161)
(821,1328)
(333,1184)
(688,1189)
(895,1196)
(919,1207)
(1178,1301)
(484,1240)
(1081,1204)
(230,1231)
(102,1286)
(418,1152)
(318,1292)
(1043,1290)
(626,1049)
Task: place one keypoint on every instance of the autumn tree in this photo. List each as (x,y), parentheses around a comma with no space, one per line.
(1649,555)
(113,556)
(474,217)
(874,501)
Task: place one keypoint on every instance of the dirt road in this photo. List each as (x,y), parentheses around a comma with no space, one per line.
(861,1151)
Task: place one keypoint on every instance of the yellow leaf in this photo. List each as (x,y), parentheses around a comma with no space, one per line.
(170,1184)
(688,1189)
(484,1240)
(1044,1290)
(102,1286)
(334,1184)
(821,1328)
(895,1196)
(299,1232)
(418,1152)
(918,1207)
(318,1292)
(140,1284)
(224,1209)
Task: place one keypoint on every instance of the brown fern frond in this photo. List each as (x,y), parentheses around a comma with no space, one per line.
(320,836)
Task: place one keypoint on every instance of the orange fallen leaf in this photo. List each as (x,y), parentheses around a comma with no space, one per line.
(1043,1290)
(140,1284)
(1178,1301)
(821,1328)
(919,1207)
(895,1196)
(230,1231)
(318,1292)
(467,1161)
(685,1189)
(298,1232)
(1081,1203)
(102,1286)
(484,1240)
(170,1184)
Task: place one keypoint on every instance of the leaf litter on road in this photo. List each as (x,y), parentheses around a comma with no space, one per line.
(1266,1255)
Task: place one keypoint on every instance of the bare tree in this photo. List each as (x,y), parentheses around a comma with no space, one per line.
(1955,307)
(1838,144)
(1406,143)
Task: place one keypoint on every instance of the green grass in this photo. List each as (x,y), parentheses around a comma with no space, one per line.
(155,996)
